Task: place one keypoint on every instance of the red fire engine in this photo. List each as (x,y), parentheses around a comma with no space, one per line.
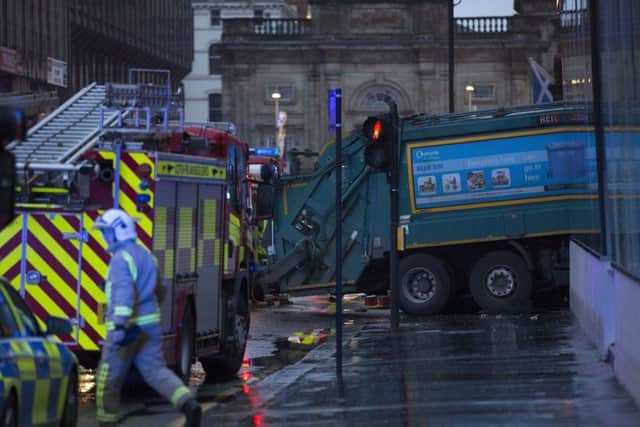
(187,188)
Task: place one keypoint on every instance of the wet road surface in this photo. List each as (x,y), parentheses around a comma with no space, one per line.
(267,352)
(454,370)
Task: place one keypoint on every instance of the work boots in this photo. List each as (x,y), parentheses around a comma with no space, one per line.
(193,412)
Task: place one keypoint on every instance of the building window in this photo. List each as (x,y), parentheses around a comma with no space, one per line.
(215,18)
(215,107)
(484,92)
(215,60)
(258,13)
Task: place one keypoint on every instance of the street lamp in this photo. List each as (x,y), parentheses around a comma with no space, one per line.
(470,88)
(276,96)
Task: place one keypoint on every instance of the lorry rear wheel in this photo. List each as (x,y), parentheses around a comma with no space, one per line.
(425,285)
(500,282)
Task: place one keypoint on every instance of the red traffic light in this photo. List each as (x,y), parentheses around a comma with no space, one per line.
(380,136)
(377,129)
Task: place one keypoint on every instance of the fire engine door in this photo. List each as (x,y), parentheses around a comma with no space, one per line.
(209,255)
(164,236)
(51,267)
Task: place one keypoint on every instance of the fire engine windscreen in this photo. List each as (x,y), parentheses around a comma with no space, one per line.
(263,172)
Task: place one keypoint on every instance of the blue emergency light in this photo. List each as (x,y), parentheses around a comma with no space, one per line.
(267,151)
(143,198)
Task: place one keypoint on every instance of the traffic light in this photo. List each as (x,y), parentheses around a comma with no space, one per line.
(381,138)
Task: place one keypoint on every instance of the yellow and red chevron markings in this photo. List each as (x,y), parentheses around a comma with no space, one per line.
(52,244)
(130,187)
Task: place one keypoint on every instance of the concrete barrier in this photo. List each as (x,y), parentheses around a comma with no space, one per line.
(606,303)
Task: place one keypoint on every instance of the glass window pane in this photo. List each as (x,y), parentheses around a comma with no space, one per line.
(8,326)
(28,320)
(215,60)
(215,18)
(620,45)
(215,107)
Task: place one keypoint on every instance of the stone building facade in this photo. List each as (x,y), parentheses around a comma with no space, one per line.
(375,51)
(203,85)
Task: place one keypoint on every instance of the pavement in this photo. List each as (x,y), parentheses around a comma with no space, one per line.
(452,370)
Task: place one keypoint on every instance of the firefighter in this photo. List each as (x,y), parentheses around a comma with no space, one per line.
(134,335)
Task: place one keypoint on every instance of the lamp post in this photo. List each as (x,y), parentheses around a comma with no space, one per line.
(452,24)
(276,99)
(470,88)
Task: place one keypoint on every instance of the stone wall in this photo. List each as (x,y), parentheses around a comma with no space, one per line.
(372,50)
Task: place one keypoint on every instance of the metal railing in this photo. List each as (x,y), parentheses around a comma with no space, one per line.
(282,27)
(484,24)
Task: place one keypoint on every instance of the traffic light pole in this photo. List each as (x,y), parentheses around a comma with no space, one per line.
(394,212)
(338,124)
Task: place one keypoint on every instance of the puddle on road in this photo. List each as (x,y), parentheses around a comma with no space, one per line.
(252,371)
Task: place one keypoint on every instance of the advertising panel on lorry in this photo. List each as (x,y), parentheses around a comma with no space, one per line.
(534,164)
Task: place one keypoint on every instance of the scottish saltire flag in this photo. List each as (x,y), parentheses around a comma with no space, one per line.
(541,82)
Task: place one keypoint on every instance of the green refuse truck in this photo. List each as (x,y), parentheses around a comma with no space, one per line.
(488,201)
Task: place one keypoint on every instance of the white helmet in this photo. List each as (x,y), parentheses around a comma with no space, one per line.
(123,226)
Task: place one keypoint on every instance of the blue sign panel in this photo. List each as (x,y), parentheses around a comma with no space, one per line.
(333,97)
(449,173)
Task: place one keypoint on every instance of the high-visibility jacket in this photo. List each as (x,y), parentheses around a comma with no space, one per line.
(132,288)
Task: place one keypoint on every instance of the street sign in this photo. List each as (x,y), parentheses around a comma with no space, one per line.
(333,117)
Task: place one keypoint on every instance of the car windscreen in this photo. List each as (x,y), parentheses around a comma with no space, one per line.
(8,326)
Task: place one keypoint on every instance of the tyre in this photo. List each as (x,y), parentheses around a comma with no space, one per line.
(500,282)
(257,293)
(227,364)
(10,413)
(187,342)
(70,413)
(424,284)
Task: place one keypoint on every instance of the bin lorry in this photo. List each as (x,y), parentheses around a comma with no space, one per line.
(186,187)
(488,202)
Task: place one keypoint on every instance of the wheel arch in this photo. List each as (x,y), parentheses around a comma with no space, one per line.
(520,249)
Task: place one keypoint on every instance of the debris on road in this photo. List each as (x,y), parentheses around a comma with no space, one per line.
(308,340)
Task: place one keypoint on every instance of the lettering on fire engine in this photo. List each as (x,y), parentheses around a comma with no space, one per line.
(191,170)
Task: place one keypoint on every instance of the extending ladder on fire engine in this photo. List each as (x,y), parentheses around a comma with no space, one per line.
(64,135)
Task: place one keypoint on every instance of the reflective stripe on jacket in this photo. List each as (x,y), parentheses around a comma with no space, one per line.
(131,286)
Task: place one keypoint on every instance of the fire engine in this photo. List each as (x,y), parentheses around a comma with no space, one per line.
(186,185)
